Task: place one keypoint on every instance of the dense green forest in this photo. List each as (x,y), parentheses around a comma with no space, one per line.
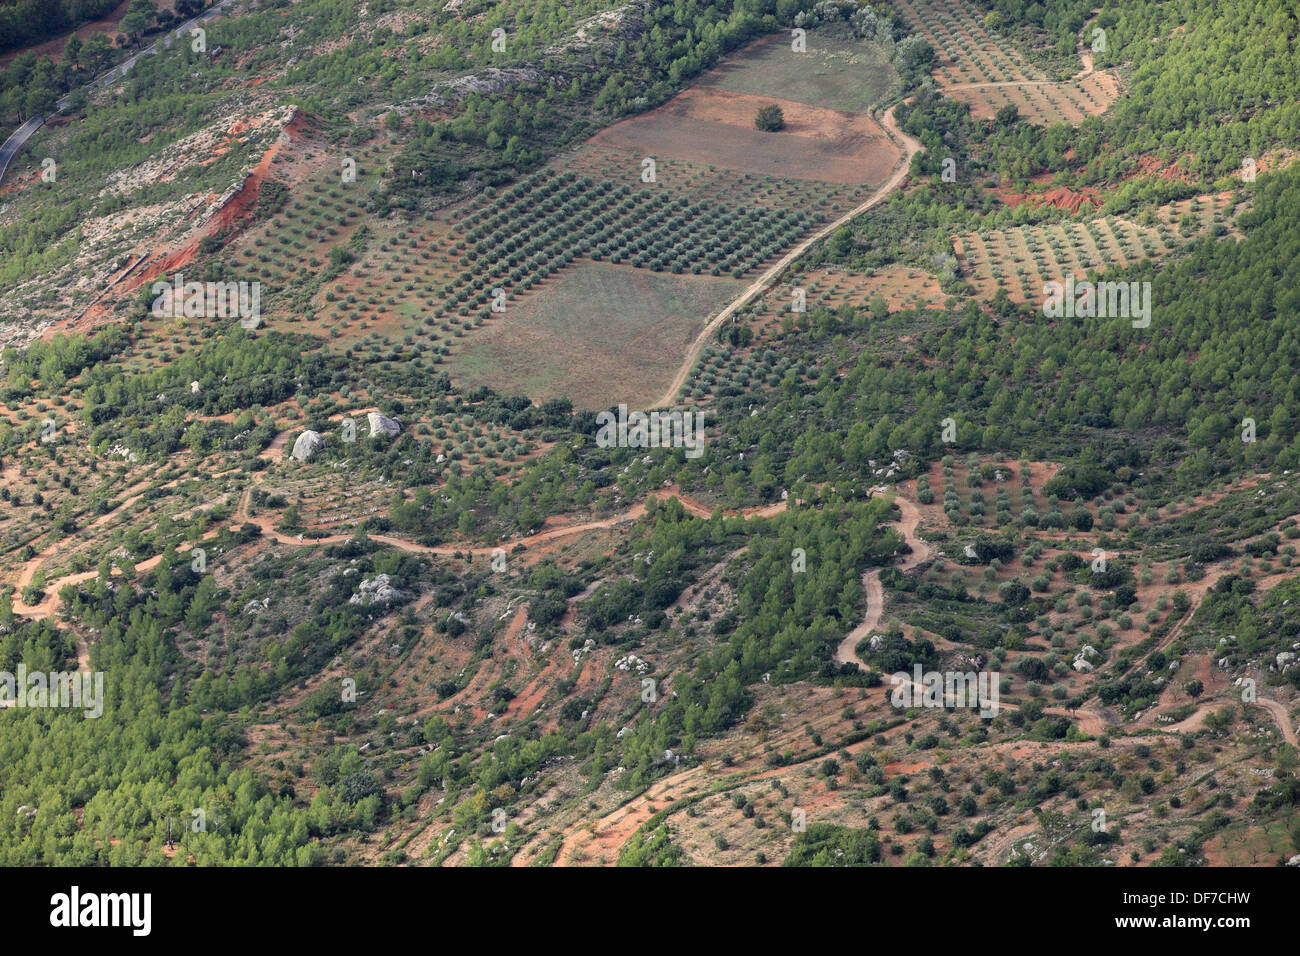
(24,22)
(31,85)
(157,699)
(1208,84)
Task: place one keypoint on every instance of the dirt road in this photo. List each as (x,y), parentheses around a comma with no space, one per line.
(767,279)
(907,524)
(1281,718)
(49,603)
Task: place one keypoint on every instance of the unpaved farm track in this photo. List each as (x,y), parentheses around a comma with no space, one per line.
(767,279)
(764,282)
(1281,718)
(49,602)
(907,524)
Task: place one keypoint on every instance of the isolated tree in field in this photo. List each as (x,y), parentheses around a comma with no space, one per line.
(769,118)
(1007,116)
(290,520)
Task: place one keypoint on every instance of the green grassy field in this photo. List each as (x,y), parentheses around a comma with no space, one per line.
(839,74)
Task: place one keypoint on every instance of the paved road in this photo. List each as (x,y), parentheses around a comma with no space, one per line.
(18,139)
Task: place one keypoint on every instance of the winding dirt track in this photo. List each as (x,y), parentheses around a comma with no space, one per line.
(1090,720)
(1281,718)
(49,602)
(607,836)
(1276,710)
(1085,57)
(910,518)
(764,282)
(266,524)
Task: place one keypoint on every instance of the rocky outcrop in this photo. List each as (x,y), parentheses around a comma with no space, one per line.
(376,590)
(382,425)
(307,444)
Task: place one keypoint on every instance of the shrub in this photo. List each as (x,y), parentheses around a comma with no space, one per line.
(769,118)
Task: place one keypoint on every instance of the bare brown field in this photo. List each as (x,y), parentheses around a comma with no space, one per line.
(603,334)
(706,125)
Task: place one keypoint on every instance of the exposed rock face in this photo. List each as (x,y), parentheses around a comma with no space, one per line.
(307,444)
(491,81)
(382,424)
(631,662)
(1083,659)
(376,590)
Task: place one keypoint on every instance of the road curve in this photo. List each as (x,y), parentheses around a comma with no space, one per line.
(19,137)
(1281,718)
(16,141)
(50,601)
(767,279)
(910,518)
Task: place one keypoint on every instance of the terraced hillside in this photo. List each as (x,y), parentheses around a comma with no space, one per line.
(384,561)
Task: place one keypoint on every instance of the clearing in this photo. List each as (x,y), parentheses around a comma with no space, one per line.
(714,126)
(604,334)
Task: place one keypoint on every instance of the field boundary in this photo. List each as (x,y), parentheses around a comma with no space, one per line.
(764,282)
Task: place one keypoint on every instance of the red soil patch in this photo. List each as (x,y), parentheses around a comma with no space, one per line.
(17,182)
(1070,199)
(1062,197)
(898,767)
(1151,166)
(228,217)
